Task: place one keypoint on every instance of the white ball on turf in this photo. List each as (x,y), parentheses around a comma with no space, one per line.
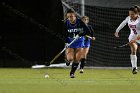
(46,76)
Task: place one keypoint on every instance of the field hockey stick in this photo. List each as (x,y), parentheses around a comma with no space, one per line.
(52,61)
(132,41)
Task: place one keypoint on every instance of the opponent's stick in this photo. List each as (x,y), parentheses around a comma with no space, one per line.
(132,41)
(52,61)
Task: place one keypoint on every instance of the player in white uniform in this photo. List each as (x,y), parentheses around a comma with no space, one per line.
(133,21)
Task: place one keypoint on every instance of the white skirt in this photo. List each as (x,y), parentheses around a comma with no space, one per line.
(132,37)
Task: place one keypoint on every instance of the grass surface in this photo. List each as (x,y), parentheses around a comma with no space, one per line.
(92,81)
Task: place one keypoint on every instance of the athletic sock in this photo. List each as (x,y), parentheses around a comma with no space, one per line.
(74,67)
(83,62)
(133,61)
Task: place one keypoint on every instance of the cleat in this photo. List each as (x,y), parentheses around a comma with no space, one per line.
(67,63)
(72,76)
(81,71)
(134,71)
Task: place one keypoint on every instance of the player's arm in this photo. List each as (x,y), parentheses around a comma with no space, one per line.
(121,26)
(85,31)
(65,34)
(92,34)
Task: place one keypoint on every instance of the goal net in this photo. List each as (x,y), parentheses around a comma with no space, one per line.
(105,20)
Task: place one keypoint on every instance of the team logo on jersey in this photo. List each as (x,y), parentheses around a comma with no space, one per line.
(132,26)
(75,30)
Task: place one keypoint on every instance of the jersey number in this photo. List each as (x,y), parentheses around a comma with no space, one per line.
(74,35)
(134,31)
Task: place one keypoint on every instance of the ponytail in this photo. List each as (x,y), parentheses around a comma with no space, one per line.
(138,8)
(135,9)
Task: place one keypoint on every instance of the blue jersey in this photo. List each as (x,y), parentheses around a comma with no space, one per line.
(71,30)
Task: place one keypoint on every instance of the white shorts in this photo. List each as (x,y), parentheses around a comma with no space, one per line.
(132,37)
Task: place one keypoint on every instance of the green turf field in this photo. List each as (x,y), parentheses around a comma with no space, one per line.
(92,81)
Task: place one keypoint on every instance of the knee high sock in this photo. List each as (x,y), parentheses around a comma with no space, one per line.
(83,62)
(74,67)
(133,61)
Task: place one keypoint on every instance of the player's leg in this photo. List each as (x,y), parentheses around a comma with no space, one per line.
(69,56)
(84,54)
(78,54)
(133,57)
(83,59)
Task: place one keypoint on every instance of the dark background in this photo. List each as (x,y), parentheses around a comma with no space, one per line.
(24,42)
